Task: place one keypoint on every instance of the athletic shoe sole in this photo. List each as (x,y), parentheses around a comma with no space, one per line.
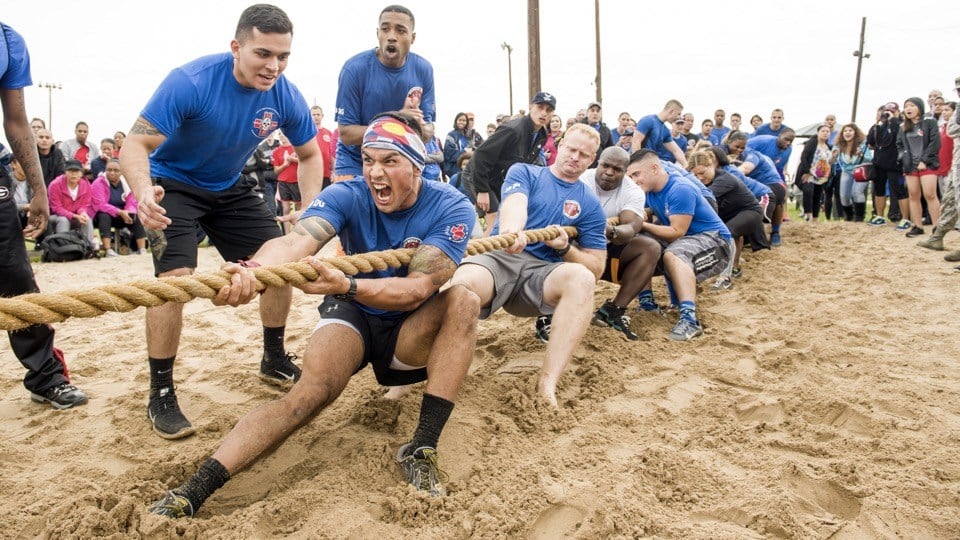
(280,382)
(36,398)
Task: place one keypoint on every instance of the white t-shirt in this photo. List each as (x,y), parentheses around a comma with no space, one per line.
(628,196)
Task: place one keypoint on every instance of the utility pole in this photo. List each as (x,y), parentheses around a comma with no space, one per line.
(860,56)
(596,18)
(533,47)
(506,46)
(50,88)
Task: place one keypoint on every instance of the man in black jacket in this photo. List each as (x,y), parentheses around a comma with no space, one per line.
(594,120)
(887,174)
(516,141)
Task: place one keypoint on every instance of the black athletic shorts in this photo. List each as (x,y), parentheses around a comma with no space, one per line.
(379,337)
(613,270)
(237,221)
(289,191)
(779,194)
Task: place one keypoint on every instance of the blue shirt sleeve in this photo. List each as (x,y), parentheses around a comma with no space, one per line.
(334,205)
(682,199)
(173,101)
(15,65)
(349,95)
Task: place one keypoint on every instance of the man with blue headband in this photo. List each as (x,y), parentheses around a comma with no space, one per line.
(396,320)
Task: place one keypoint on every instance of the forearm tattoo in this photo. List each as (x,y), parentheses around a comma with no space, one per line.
(432,261)
(317,228)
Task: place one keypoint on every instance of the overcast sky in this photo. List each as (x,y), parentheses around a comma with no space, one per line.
(744,56)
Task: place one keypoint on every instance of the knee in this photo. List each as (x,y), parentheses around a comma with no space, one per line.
(461,304)
(577,279)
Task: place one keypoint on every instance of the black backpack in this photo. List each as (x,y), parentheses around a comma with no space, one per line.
(67,246)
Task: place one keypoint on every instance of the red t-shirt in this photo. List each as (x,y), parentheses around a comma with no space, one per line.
(288,175)
(81,156)
(946,152)
(326,141)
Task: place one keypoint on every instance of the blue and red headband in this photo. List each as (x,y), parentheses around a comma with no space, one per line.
(387,133)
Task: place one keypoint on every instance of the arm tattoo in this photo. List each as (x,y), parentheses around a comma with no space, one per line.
(143,127)
(432,261)
(317,228)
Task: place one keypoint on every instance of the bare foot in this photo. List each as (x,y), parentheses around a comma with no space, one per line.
(548,394)
(397,392)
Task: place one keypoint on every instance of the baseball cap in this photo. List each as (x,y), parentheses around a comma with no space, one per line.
(545,98)
(956,83)
(72,165)
(595,104)
(891,106)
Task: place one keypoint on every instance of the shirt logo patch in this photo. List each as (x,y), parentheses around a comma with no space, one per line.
(4,193)
(317,203)
(412,242)
(571,208)
(267,120)
(512,187)
(458,232)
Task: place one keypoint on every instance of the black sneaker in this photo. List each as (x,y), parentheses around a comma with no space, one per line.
(62,396)
(172,505)
(164,413)
(543,327)
(612,316)
(281,371)
(914,232)
(421,470)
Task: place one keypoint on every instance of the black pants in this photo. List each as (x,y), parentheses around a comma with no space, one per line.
(33,345)
(812,198)
(105,222)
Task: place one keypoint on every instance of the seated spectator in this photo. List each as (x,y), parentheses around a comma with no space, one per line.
(51,158)
(70,204)
(116,207)
(99,164)
(21,191)
(697,243)
(118,138)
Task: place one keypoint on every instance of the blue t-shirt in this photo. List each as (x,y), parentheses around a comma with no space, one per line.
(767,145)
(552,201)
(675,170)
(213,124)
(719,133)
(681,141)
(14,60)
(368,88)
(758,189)
(655,136)
(441,217)
(765,129)
(681,198)
(714,140)
(764,171)
(431,171)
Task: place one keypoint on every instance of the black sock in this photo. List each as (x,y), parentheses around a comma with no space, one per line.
(273,342)
(211,476)
(434,412)
(161,372)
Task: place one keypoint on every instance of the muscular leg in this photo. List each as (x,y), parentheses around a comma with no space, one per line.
(682,276)
(164,323)
(570,288)
(275,306)
(639,261)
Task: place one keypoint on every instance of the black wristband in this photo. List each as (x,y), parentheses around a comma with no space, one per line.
(351,292)
(562,252)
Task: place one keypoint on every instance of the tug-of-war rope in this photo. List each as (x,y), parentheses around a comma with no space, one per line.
(43,308)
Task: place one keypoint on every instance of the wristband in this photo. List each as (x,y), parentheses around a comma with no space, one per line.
(351,292)
(564,251)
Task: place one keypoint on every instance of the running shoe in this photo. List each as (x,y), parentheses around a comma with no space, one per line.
(877,220)
(420,469)
(685,330)
(165,415)
(775,240)
(172,505)
(281,371)
(904,225)
(62,396)
(612,316)
(722,283)
(543,327)
(914,232)
(737,272)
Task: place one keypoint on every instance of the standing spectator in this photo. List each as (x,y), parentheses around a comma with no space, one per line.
(80,148)
(52,161)
(433,155)
(325,141)
(685,126)
(116,207)
(706,132)
(815,168)
(852,151)
(775,126)
(918,144)
(286,164)
(652,133)
(387,78)
(36,125)
(473,136)
(735,121)
(887,177)
(227,94)
(47,378)
(932,97)
(755,122)
(719,130)
(947,178)
(455,144)
(71,205)
(677,136)
(594,120)
(623,126)
(554,133)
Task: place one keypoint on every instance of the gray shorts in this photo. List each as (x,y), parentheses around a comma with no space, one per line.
(517,283)
(707,253)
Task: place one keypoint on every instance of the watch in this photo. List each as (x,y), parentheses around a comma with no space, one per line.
(564,251)
(351,292)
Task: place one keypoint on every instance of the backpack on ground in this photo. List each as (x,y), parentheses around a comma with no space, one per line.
(66,246)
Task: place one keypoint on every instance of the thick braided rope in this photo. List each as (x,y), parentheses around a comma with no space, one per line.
(43,308)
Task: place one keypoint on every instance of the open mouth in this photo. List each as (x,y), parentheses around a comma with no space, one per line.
(381,193)
(391,49)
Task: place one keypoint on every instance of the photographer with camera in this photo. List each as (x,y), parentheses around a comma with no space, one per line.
(887,175)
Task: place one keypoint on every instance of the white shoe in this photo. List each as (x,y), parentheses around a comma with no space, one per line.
(111,253)
(142,251)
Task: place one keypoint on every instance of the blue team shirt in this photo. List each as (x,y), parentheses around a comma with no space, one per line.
(767,145)
(719,133)
(213,124)
(681,198)
(765,129)
(655,136)
(758,189)
(714,140)
(367,88)
(675,170)
(552,201)
(764,171)
(14,60)
(441,217)
(681,141)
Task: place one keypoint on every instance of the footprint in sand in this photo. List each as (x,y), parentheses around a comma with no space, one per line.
(558,521)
